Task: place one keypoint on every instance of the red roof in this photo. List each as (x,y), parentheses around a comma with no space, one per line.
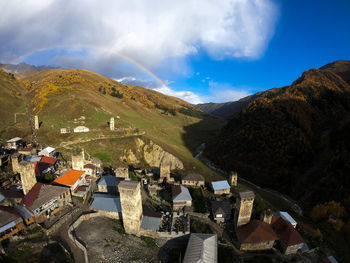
(256,231)
(32,195)
(286,232)
(69,178)
(49,160)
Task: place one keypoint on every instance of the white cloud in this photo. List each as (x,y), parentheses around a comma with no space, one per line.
(188,96)
(153,32)
(223,92)
(126,79)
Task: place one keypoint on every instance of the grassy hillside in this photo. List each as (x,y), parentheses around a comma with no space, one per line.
(69,98)
(12,100)
(294,140)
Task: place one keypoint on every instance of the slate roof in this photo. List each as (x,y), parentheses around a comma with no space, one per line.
(108,180)
(201,248)
(181,193)
(221,207)
(246,194)
(7,215)
(32,158)
(128,184)
(193,177)
(220,185)
(40,194)
(69,178)
(286,232)
(105,202)
(149,222)
(256,231)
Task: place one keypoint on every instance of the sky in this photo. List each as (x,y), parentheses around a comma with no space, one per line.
(200,51)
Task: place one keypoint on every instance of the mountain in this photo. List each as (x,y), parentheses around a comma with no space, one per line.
(228,110)
(69,98)
(23,69)
(295,140)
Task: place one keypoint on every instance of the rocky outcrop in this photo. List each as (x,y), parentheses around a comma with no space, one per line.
(152,154)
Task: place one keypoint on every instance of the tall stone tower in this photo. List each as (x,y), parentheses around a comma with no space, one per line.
(36,122)
(244,207)
(111,124)
(131,202)
(27,173)
(164,172)
(78,161)
(233,178)
(266,216)
(15,160)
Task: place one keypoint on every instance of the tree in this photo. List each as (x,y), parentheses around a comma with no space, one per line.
(319,212)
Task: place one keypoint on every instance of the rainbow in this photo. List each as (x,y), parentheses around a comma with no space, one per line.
(123,56)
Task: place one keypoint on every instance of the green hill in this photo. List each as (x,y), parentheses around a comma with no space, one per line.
(70,98)
(295,140)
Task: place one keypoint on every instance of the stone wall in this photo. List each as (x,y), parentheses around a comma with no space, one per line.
(257,246)
(28,178)
(245,207)
(223,191)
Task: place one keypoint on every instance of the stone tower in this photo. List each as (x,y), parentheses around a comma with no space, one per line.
(78,161)
(164,172)
(36,122)
(131,202)
(233,178)
(111,124)
(15,160)
(266,216)
(244,207)
(27,173)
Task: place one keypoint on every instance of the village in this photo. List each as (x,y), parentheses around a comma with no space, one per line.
(44,189)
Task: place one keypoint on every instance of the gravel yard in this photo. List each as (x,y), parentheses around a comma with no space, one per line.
(106,242)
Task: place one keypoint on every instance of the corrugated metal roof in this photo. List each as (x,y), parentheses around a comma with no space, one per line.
(47,150)
(24,212)
(184,195)
(109,180)
(201,248)
(69,178)
(16,139)
(286,217)
(106,202)
(32,158)
(2,198)
(220,185)
(149,222)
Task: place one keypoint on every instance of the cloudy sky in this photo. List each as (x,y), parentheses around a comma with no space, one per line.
(199,50)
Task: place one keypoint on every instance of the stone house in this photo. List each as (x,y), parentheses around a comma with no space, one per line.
(108,184)
(45,200)
(81,129)
(65,130)
(10,197)
(27,151)
(122,173)
(256,235)
(193,179)
(221,211)
(14,143)
(289,238)
(181,197)
(221,187)
(11,222)
(90,169)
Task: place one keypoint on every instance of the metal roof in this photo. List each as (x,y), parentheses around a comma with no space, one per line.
(149,222)
(201,248)
(286,217)
(109,180)
(24,212)
(47,150)
(220,185)
(184,195)
(32,158)
(16,139)
(1,198)
(105,202)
